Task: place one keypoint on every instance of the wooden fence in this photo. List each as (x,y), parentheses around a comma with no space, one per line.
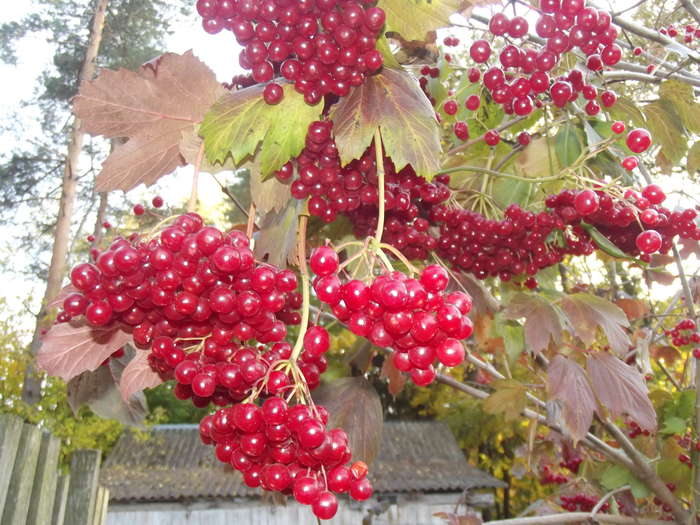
(32,489)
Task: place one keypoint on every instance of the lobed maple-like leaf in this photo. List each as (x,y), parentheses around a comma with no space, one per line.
(68,349)
(413,19)
(137,376)
(151,107)
(277,237)
(98,390)
(393,102)
(588,312)
(543,320)
(568,383)
(509,399)
(241,122)
(354,405)
(621,389)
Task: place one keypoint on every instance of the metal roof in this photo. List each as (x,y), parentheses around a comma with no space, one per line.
(171,464)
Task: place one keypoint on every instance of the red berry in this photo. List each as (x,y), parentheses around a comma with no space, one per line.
(648,241)
(450,107)
(325,506)
(654,194)
(273,93)
(586,202)
(618,127)
(157,201)
(492,137)
(629,163)
(523,138)
(638,140)
(461,130)
(473,102)
(324,261)
(480,51)
(139,209)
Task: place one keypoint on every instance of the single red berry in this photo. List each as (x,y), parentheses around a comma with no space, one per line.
(638,140)
(480,51)
(586,202)
(325,506)
(629,163)
(492,137)
(139,209)
(648,241)
(450,107)
(523,138)
(273,93)
(473,102)
(461,130)
(618,127)
(324,261)
(608,98)
(157,201)
(696,353)
(654,194)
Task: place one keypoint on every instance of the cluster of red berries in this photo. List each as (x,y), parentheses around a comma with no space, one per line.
(689,33)
(323,47)
(288,449)
(572,464)
(415,317)
(637,224)
(523,73)
(450,41)
(581,502)
(684,333)
(552,478)
(140,209)
(189,282)
(636,430)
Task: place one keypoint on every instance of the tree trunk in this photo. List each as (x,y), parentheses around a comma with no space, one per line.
(31,392)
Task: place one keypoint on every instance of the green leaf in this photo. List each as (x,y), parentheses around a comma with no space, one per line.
(413,19)
(508,399)
(569,144)
(242,121)
(603,242)
(385,50)
(665,126)
(674,425)
(682,97)
(626,110)
(508,191)
(617,476)
(512,334)
(393,101)
(694,159)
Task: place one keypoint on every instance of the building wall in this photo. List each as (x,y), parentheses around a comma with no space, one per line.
(408,510)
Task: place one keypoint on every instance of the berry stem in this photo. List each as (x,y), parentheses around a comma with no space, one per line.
(305,289)
(380,183)
(192,203)
(486,171)
(250,226)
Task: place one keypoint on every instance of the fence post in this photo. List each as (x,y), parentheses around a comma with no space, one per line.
(10,432)
(20,490)
(101,506)
(82,491)
(45,480)
(59,505)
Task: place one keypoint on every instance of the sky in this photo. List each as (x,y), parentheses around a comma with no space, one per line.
(220,52)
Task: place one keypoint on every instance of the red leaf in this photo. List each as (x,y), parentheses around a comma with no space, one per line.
(588,312)
(621,389)
(150,107)
(567,382)
(69,349)
(543,320)
(137,376)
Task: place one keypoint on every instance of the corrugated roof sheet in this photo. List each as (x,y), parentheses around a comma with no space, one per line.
(171,464)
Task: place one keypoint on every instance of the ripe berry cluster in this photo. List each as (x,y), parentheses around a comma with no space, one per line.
(522,77)
(637,223)
(288,449)
(323,47)
(683,333)
(415,317)
(688,34)
(552,478)
(581,502)
(637,430)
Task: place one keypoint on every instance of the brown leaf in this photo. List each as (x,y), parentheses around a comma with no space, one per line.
(137,376)
(669,354)
(509,399)
(621,389)
(567,382)
(543,320)
(276,239)
(190,147)
(98,390)
(69,349)
(270,195)
(409,137)
(354,406)
(587,312)
(396,378)
(150,107)
(634,308)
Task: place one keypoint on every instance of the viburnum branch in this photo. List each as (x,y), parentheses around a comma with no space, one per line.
(192,203)
(380,187)
(577,517)
(645,472)
(305,288)
(692,9)
(250,226)
(605,498)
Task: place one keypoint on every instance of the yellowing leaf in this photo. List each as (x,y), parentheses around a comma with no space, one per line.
(412,19)
(242,121)
(666,129)
(634,308)
(394,101)
(151,108)
(588,312)
(681,95)
(694,159)
(567,382)
(544,321)
(508,399)
(621,389)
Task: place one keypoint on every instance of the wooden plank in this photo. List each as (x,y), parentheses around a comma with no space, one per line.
(59,503)
(100,517)
(10,433)
(20,490)
(45,480)
(82,492)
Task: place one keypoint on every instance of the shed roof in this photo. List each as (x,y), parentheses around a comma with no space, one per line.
(172,464)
